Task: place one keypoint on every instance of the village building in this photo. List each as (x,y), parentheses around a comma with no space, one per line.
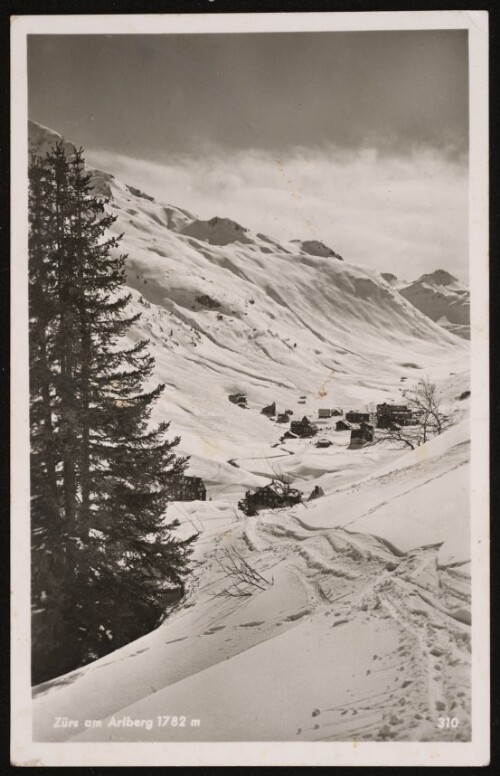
(323,443)
(353,416)
(270,496)
(282,418)
(342,425)
(303,428)
(189,489)
(316,493)
(336,413)
(362,434)
(264,497)
(386,422)
(396,421)
(324,413)
(391,409)
(391,415)
(238,398)
(269,410)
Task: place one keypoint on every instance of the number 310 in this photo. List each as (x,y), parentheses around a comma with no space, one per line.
(447,722)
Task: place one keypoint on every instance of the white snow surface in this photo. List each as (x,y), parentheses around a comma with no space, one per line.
(360,626)
(443,298)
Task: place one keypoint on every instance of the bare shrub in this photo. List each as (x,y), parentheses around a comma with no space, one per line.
(244,579)
(426,404)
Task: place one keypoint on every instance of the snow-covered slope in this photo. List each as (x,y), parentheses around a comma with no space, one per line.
(374,569)
(227,310)
(355,637)
(443,298)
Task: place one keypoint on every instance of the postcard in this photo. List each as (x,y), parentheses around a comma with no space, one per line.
(250,405)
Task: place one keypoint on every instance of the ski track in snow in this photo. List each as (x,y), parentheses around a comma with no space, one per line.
(394,614)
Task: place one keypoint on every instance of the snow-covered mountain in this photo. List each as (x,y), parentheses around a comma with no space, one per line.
(230,311)
(443,298)
(366,589)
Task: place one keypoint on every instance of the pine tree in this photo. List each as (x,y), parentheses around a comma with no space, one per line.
(116,554)
(48,579)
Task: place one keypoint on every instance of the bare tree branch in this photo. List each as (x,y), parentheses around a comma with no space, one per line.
(244,578)
(425,404)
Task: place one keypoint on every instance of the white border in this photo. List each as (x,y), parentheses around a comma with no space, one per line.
(24,751)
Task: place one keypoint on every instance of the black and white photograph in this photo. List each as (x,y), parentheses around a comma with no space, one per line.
(252,278)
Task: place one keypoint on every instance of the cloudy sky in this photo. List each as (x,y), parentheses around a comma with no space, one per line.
(356,139)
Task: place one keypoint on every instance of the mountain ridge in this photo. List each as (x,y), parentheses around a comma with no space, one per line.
(263,318)
(443,298)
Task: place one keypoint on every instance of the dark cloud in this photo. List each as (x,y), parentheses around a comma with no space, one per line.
(152,96)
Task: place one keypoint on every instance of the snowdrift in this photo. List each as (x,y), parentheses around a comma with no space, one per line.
(401,614)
